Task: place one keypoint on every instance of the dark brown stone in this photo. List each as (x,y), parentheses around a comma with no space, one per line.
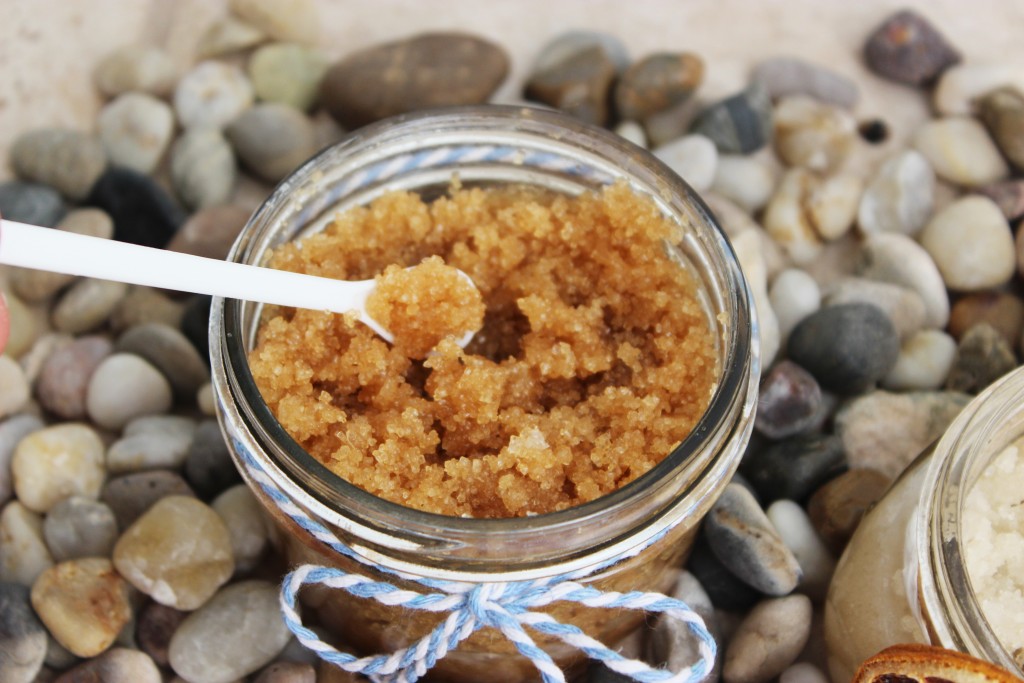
(578,85)
(1002,112)
(906,48)
(1003,311)
(982,357)
(154,627)
(427,70)
(837,507)
(656,83)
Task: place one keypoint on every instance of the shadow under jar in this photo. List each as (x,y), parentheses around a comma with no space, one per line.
(650,521)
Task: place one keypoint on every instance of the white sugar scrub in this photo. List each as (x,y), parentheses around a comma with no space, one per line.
(993,538)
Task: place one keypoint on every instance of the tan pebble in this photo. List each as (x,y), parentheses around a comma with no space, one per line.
(812,134)
(56,463)
(23,552)
(787,220)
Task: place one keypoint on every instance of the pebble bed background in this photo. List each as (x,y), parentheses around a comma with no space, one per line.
(882,257)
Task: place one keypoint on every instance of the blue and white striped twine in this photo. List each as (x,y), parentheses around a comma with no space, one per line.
(505,606)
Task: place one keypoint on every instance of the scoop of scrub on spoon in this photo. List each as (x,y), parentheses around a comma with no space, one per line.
(30,246)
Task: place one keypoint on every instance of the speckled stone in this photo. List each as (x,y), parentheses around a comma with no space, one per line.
(578,85)
(133,494)
(906,48)
(31,203)
(768,640)
(739,124)
(170,352)
(22,636)
(64,377)
(80,527)
(144,305)
(982,356)
(58,462)
(12,431)
(86,305)
(657,82)
(287,73)
(135,130)
(203,168)
(272,139)
(136,68)
(838,506)
(70,161)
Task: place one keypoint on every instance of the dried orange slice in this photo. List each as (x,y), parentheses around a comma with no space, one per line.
(928,664)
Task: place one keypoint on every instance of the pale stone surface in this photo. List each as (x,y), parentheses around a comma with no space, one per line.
(925,360)
(23,552)
(972,244)
(693,157)
(124,387)
(768,640)
(961,151)
(56,463)
(243,517)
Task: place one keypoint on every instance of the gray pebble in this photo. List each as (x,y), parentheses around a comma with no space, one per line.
(903,306)
(210,232)
(12,431)
(740,124)
(899,197)
(794,467)
(64,378)
(768,640)
(287,73)
(144,305)
(87,305)
(243,517)
(982,356)
(567,44)
(209,467)
(135,68)
(203,168)
(31,203)
(169,351)
(79,527)
(906,48)
(131,495)
(657,83)
(151,443)
(896,258)
(672,643)
(69,161)
(784,76)
(23,554)
(59,657)
(212,95)
(272,139)
(743,539)
(117,665)
(287,672)
(135,130)
(123,387)
(22,636)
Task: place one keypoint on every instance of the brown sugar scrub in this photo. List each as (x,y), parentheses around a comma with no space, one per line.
(594,360)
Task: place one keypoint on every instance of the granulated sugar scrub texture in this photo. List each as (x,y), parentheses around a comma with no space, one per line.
(524,180)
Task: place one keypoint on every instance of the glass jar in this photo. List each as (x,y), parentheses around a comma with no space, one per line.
(658,512)
(903,577)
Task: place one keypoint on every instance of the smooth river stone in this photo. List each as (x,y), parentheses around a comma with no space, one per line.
(1002,112)
(896,258)
(212,95)
(672,641)
(972,244)
(124,387)
(748,181)
(12,431)
(86,305)
(226,35)
(32,203)
(788,401)
(117,665)
(837,507)
(899,197)
(961,85)
(811,134)
(768,640)
(133,494)
(179,553)
(579,85)
(925,360)
(287,73)
(79,527)
(135,130)
(906,48)
(694,158)
(787,218)
(739,124)
(154,629)
(794,467)
(785,76)
(14,387)
(152,442)
(56,463)
(64,378)
(136,68)
(902,305)
(982,356)
(237,632)
(23,552)
(84,604)
(961,151)
(170,352)
(142,211)
(69,161)
(656,83)
(22,636)
(816,562)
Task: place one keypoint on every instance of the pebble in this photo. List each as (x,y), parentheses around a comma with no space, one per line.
(130,496)
(12,431)
(135,130)
(982,356)
(1001,310)
(287,672)
(961,151)
(31,203)
(972,244)
(739,124)
(925,359)
(243,517)
(195,323)
(1008,196)
(803,672)
(749,248)
(899,197)
(287,73)
(671,643)
(236,633)
(117,665)
(178,552)
(57,462)
(83,603)
(14,387)
(59,657)
(271,140)
(123,387)
(210,232)
(143,305)
(837,507)
(203,168)
(961,85)
(136,68)
(657,82)
(794,295)
(811,134)
(205,399)
(795,466)
(151,443)
(43,347)
(86,305)
(394,78)
(212,95)
(885,431)
(832,206)
(64,378)
(787,218)
(170,352)
(632,131)
(906,48)
(788,401)
(24,327)
(796,530)
(847,347)
(154,628)
(209,467)
(1002,112)
(904,307)
(579,85)
(564,45)
(296,20)
(727,592)
(80,527)
(768,640)
(228,35)
(142,211)
(694,158)
(23,552)
(747,181)
(22,636)
(786,76)
(69,161)
(743,539)
(896,258)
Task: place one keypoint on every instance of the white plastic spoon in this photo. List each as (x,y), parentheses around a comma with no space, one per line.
(58,251)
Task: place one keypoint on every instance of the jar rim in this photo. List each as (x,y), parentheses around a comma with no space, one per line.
(739,364)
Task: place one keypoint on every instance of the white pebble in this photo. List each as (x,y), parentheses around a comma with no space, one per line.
(124,387)
(902,305)
(787,220)
(962,83)
(135,130)
(14,388)
(23,553)
(632,131)
(961,151)
(768,640)
(896,258)
(206,401)
(152,442)
(748,251)
(693,157)
(746,180)
(900,196)
(803,672)
(212,95)
(56,463)
(924,362)
(794,295)
(812,134)
(797,532)
(832,206)
(243,517)
(972,244)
